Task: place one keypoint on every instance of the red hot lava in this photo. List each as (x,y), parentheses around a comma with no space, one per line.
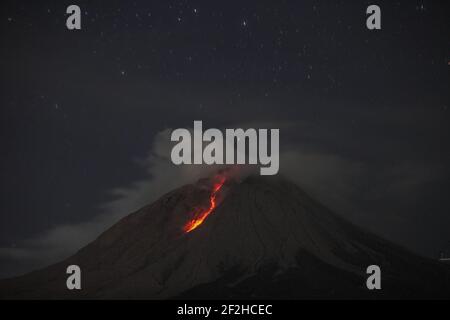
(204,213)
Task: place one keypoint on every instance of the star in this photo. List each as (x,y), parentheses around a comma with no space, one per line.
(420,8)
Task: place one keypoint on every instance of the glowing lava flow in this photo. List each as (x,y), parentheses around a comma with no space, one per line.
(202,215)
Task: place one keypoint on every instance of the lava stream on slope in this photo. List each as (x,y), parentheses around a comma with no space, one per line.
(202,214)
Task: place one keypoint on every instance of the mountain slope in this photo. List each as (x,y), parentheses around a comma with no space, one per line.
(265,238)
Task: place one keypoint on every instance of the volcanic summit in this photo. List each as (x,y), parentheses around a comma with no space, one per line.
(262,237)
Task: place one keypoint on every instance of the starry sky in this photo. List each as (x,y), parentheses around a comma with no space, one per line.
(80,108)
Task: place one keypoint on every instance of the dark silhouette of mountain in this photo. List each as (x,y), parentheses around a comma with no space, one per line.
(265,238)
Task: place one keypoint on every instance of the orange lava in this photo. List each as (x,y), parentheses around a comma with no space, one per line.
(202,215)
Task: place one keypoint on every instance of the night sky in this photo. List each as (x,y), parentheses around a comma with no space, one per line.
(80,109)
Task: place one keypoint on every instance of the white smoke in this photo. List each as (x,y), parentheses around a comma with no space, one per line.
(330,178)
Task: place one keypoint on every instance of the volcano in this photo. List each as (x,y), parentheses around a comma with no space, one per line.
(259,238)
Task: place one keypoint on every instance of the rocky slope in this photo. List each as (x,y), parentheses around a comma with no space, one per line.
(265,238)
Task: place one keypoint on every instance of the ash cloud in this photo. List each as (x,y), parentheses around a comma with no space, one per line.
(339,182)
